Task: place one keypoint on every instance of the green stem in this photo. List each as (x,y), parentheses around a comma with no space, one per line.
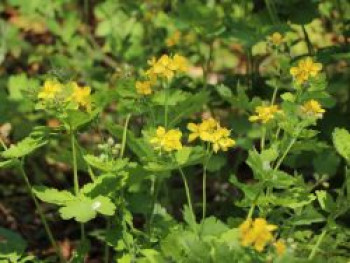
(285,153)
(308,41)
(41,214)
(204,184)
(125,130)
(272,11)
(188,195)
(166,106)
(318,243)
(262,139)
(122,151)
(75,166)
(251,210)
(274,95)
(252,207)
(277,133)
(154,192)
(75,176)
(91,173)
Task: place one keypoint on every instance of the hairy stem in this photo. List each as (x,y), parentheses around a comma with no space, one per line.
(188,194)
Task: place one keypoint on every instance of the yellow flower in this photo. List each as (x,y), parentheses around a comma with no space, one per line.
(163,67)
(312,108)
(276,39)
(221,141)
(280,247)
(166,66)
(299,75)
(50,90)
(257,233)
(202,130)
(173,39)
(167,140)
(210,131)
(264,113)
(311,67)
(143,88)
(81,96)
(305,69)
(180,63)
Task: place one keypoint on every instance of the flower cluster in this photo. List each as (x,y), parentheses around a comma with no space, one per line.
(211,131)
(276,39)
(81,96)
(258,233)
(71,92)
(50,90)
(166,140)
(312,108)
(144,87)
(306,68)
(166,66)
(265,113)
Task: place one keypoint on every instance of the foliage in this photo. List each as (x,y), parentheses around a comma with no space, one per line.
(175,131)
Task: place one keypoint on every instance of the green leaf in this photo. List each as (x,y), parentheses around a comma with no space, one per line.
(182,156)
(84,209)
(211,226)
(104,205)
(77,119)
(191,105)
(8,163)
(53,196)
(280,180)
(308,216)
(172,98)
(326,162)
(106,166)
(325,200)
(11,243)
(17,84)
(250,190)
(23,148)
(294,199)
(189,218)
(216,162)
(224,92)
(104,185)
(231,238)
(288,96)
(341,141)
